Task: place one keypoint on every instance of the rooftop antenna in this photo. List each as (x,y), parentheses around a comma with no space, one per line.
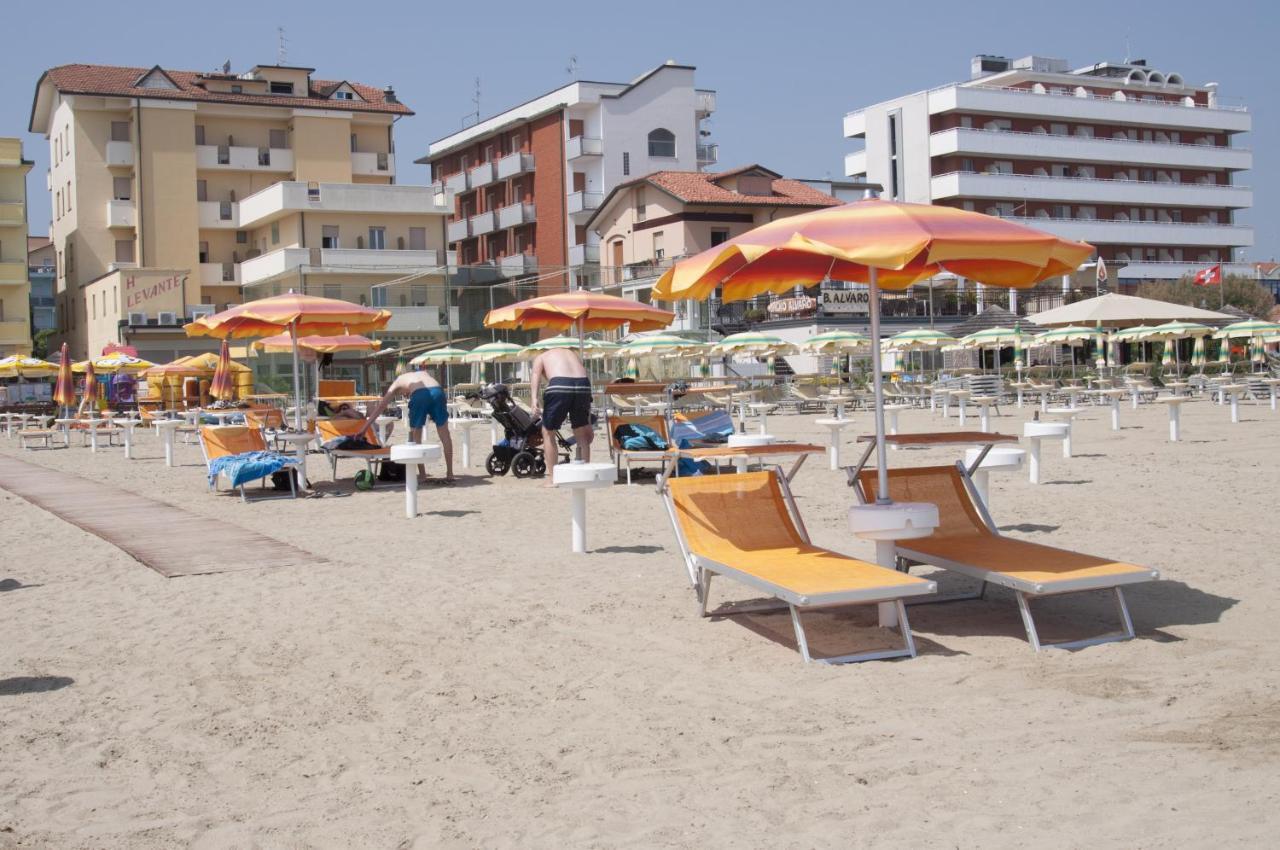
(226,67)
(474,116)
(282,49)
(572,68)
(1128,54)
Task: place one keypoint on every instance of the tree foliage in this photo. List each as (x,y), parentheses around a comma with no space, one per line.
(40,343)
(1244,293)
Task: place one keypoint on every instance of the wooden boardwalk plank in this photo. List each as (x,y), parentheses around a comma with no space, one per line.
(169,540)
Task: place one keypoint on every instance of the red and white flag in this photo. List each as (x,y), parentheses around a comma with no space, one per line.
(1211,276)
(1102,273)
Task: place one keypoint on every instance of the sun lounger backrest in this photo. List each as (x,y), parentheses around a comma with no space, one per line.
(939,485)
(219,440)
(657,423)
(267,417)
(723,513)
(330,429)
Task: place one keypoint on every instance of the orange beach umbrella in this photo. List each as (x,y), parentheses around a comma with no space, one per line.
(221,386)
(589,311)
(880,243)
(90,385)
(320,344)
(64,391)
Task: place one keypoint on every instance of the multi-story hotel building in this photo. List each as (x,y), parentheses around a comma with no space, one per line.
(1133,159)
(644,224)
(526,181)
(41,270)
(178,193)
(15,288)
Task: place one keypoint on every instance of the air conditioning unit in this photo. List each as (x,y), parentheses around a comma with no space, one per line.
(198,311)
(166,318)
(136,319)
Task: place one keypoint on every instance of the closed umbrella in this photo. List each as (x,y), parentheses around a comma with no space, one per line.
(881,243)
(90,386)
(1198,358)
(64,391)
(221,386)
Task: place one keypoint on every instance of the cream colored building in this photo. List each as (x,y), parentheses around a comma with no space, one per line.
(178,193)
(647,223)
(15,288)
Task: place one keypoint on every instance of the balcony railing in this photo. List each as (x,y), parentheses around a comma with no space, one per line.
(708,154)
(458,230)
(119,153)
(456,183)
(706,102)
(518,264)
(583,202)
(485,222)
(580,146)
(514,164)
(238,158)
(1087,189)
(368,164)
(482,175)
(121,214)
(515,215)
(583,254)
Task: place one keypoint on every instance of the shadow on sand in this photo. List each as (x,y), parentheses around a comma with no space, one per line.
(19,685)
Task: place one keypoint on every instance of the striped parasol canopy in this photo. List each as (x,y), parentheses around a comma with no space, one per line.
(116,363)
(1198,358)
(1178,330)
(439,356)
(997,338)
(221,386)
(1248,329)
(64,391)
(920,339)
(835,342)
(1134,334)
(90,385)
(1068,335)
(319,344)
(24,366)
(665,344)
(494,352)
(753,343)
(587,311)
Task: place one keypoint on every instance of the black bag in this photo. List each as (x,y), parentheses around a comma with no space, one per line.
(389,471)
(280,478)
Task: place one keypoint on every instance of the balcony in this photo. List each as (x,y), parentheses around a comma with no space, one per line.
(223,215)
(708,154)
(373,164)
(344,261)
(15,332)
(1046,146)
(514,265)
(456,231)
(580,146)
(12,214)
(482,175)
(14,271)
(119,154)
(855,164)
(1020,187)
(121,214)
(456,183)
(705,102)
(515,215)
(580,255)
(515,164)
(485,222)
(219,274)
(237,158)
(584,202)
(1160,270)
(283,198)
(1171,233)
(420,319)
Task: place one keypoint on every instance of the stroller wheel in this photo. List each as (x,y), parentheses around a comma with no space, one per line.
(496,465)
(539,465)
(523,465)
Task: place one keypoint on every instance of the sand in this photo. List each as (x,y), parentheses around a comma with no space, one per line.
(462,680)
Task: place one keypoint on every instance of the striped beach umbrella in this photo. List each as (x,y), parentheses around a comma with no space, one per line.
(221,386)
(663,344)
(496,353)
(835,342)
(91,388)
(1197,354)
(1247,329)
(1166,356)
(438,356)
(920,339)
(586,311)
(64,391)
(753,343)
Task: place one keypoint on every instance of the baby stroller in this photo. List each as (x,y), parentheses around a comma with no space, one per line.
(521,447)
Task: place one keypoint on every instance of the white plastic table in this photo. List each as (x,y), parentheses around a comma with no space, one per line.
(1233,392)
(1175,410)
(760,410)
(886,524)
(1113,397)
(1037,431)
(65,424)
(166,428)
(384,424)
(746,440)
(413,455)
(984,403)
(1271,385)
(962,398)
(998,459)
(298,440)
(465,424)
(835,426)
(891,412)
(93,425)
(1021,387)
(222,415)
(128,425)
(1070,414)
(578,477)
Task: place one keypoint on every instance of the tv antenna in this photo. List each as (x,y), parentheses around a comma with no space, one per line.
(282,49)
(572,68)
(473,116)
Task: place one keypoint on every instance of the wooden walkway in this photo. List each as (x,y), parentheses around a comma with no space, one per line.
(168,539)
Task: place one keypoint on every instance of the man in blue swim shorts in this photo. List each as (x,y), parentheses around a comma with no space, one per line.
(568,396)
(426,401)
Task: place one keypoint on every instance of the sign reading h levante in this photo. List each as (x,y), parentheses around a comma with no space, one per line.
(846,301)
(140,292)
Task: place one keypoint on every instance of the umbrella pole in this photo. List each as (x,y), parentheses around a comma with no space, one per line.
(877,377)
(297,379)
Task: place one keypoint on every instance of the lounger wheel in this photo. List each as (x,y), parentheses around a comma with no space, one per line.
(496,465)
(525,465)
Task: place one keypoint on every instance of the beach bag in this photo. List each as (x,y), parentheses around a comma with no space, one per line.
(390,471)
(280,478)
(638,438)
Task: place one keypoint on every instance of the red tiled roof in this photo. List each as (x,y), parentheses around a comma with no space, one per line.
(115,81)
(700,187)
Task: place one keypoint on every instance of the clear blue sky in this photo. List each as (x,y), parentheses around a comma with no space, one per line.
(785,71)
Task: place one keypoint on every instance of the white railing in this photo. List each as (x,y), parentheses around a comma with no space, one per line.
(516,264)
(366,163)
(578,202)
(583,254)
(580,146)
(482,223)
(456,183)
(1075,138)
(1050,177)
(240,158)
(515,215)
(513,164)
(119,153)
(708,154)
(458,230)
(481,175)
(121,214)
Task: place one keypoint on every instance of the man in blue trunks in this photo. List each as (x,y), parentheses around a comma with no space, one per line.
(568,396)
(426,401)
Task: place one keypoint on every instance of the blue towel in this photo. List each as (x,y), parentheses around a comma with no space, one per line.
(249,466)
(716,426)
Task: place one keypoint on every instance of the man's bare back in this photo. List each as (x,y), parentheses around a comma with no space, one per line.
(559,363)
(410,381)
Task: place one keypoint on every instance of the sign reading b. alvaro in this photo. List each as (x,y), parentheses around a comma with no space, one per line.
(846,300)
(145,293)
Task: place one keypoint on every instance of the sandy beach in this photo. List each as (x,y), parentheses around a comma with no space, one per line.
(462,680)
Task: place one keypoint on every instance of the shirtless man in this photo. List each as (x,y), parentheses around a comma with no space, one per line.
(426,399)
(568,394)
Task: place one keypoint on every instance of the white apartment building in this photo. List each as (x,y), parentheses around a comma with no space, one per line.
(1132,159)
(526,181)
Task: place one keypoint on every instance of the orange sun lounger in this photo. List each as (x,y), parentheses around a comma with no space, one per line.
(967,542)
(746,527)
(220,440)
(330,429)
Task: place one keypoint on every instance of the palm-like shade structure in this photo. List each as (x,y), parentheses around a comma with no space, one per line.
(882,244)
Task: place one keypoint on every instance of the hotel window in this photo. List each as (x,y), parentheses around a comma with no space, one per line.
(278,139)
(119,131)
(71,257)
(417,239)
(68,196)
(718,237)
(662,143)
(418,295)
(199,134)
(281,88)
(658,251)
(124,250)
(1058,129)
(641,213)
(242,237)
(377,238)
(204,252)
(329,237)
(202,190)
(342,95)
(121,188)
(275,233)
